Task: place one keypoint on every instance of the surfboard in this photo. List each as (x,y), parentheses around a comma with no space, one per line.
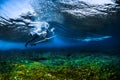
(42,40)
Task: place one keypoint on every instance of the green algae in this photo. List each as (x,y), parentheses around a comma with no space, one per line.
(60,67)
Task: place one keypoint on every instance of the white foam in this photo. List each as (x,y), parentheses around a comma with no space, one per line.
(47,11)
(98,2)
(94,2)
(37,27)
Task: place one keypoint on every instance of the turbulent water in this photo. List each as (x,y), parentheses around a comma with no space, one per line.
(75,21)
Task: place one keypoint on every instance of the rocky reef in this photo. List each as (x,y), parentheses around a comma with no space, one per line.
(59,66)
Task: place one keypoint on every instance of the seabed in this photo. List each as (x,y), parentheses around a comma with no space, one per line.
(23,65)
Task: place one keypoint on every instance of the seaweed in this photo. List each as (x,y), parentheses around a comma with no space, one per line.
(72,67)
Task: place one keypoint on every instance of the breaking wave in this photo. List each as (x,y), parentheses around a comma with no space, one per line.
(53,12)
(47,10)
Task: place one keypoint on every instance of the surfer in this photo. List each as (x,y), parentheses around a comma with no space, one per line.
(41,30)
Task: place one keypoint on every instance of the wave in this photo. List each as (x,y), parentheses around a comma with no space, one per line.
(55,10)
(47,10)
(51,11)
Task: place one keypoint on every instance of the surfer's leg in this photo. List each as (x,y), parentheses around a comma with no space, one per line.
(32,39)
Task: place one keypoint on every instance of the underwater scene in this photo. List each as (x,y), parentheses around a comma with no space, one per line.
(59,39)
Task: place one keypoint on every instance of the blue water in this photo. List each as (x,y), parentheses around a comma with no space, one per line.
(65,36)
(56,42)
